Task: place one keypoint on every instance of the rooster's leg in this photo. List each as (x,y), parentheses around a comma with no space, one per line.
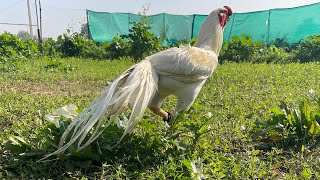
(155,105)
(160,112)
(186,96)
(183,104)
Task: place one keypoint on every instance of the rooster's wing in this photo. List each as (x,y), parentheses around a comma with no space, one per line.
(184,64)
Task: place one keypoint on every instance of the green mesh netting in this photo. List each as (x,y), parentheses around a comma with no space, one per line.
(291,25)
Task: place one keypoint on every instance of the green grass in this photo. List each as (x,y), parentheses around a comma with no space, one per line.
(236,95)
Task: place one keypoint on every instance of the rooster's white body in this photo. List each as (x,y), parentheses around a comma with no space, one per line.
(175,71)
(181,72)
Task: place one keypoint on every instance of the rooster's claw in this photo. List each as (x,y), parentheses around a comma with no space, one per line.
(168,118)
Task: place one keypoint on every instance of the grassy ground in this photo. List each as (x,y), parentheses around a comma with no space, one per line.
(211,140)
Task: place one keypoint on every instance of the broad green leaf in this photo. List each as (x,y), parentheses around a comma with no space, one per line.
(16,144)
(315,128)
(306,113)
(255,152)
(277,111)
(187,164)
(306,173)
(290,118)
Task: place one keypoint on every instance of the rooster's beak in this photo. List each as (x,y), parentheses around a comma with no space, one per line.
(224,15)
(223,19)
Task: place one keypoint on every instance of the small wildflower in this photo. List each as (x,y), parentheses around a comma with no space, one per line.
(209,114)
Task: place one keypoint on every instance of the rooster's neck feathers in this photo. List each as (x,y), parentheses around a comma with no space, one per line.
(211,33)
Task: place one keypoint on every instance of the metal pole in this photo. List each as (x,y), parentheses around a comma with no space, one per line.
(40,10)
(38,28)
(30,21)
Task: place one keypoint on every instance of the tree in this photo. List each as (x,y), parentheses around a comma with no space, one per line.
(24,35)
(85,31)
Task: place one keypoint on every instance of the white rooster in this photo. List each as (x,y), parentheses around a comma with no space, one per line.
(175,71)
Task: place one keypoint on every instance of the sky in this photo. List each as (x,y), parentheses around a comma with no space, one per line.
(59,15)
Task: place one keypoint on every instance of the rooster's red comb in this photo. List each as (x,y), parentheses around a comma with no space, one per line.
(229,10)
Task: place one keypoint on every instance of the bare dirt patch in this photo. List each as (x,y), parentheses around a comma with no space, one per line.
(63,88)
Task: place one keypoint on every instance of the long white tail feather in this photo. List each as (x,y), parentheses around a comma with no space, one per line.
(133,89)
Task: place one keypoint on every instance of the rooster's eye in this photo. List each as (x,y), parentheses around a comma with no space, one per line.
(224,11)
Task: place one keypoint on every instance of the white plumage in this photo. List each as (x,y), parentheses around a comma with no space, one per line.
(175,71)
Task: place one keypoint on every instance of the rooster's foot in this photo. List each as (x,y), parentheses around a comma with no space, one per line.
(168,118)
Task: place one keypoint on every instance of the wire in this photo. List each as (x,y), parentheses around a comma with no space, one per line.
(55,7)
(3,10)
(18,24)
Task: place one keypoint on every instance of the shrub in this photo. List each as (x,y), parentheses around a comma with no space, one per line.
(308,50)
(71,45)
(94,50)
(290,127)
(77,45)
(49,48)
(241,49)
(281,43)
(244,49)
(272,54)
(13,48)
(141,41)
(118,48)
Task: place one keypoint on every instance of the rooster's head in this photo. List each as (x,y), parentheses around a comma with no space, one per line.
(224,15)
(211,31)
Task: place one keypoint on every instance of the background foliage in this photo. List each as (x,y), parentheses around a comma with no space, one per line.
(140,42)
(12,47)
(244,49)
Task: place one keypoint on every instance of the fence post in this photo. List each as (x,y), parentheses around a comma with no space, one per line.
(268,27)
